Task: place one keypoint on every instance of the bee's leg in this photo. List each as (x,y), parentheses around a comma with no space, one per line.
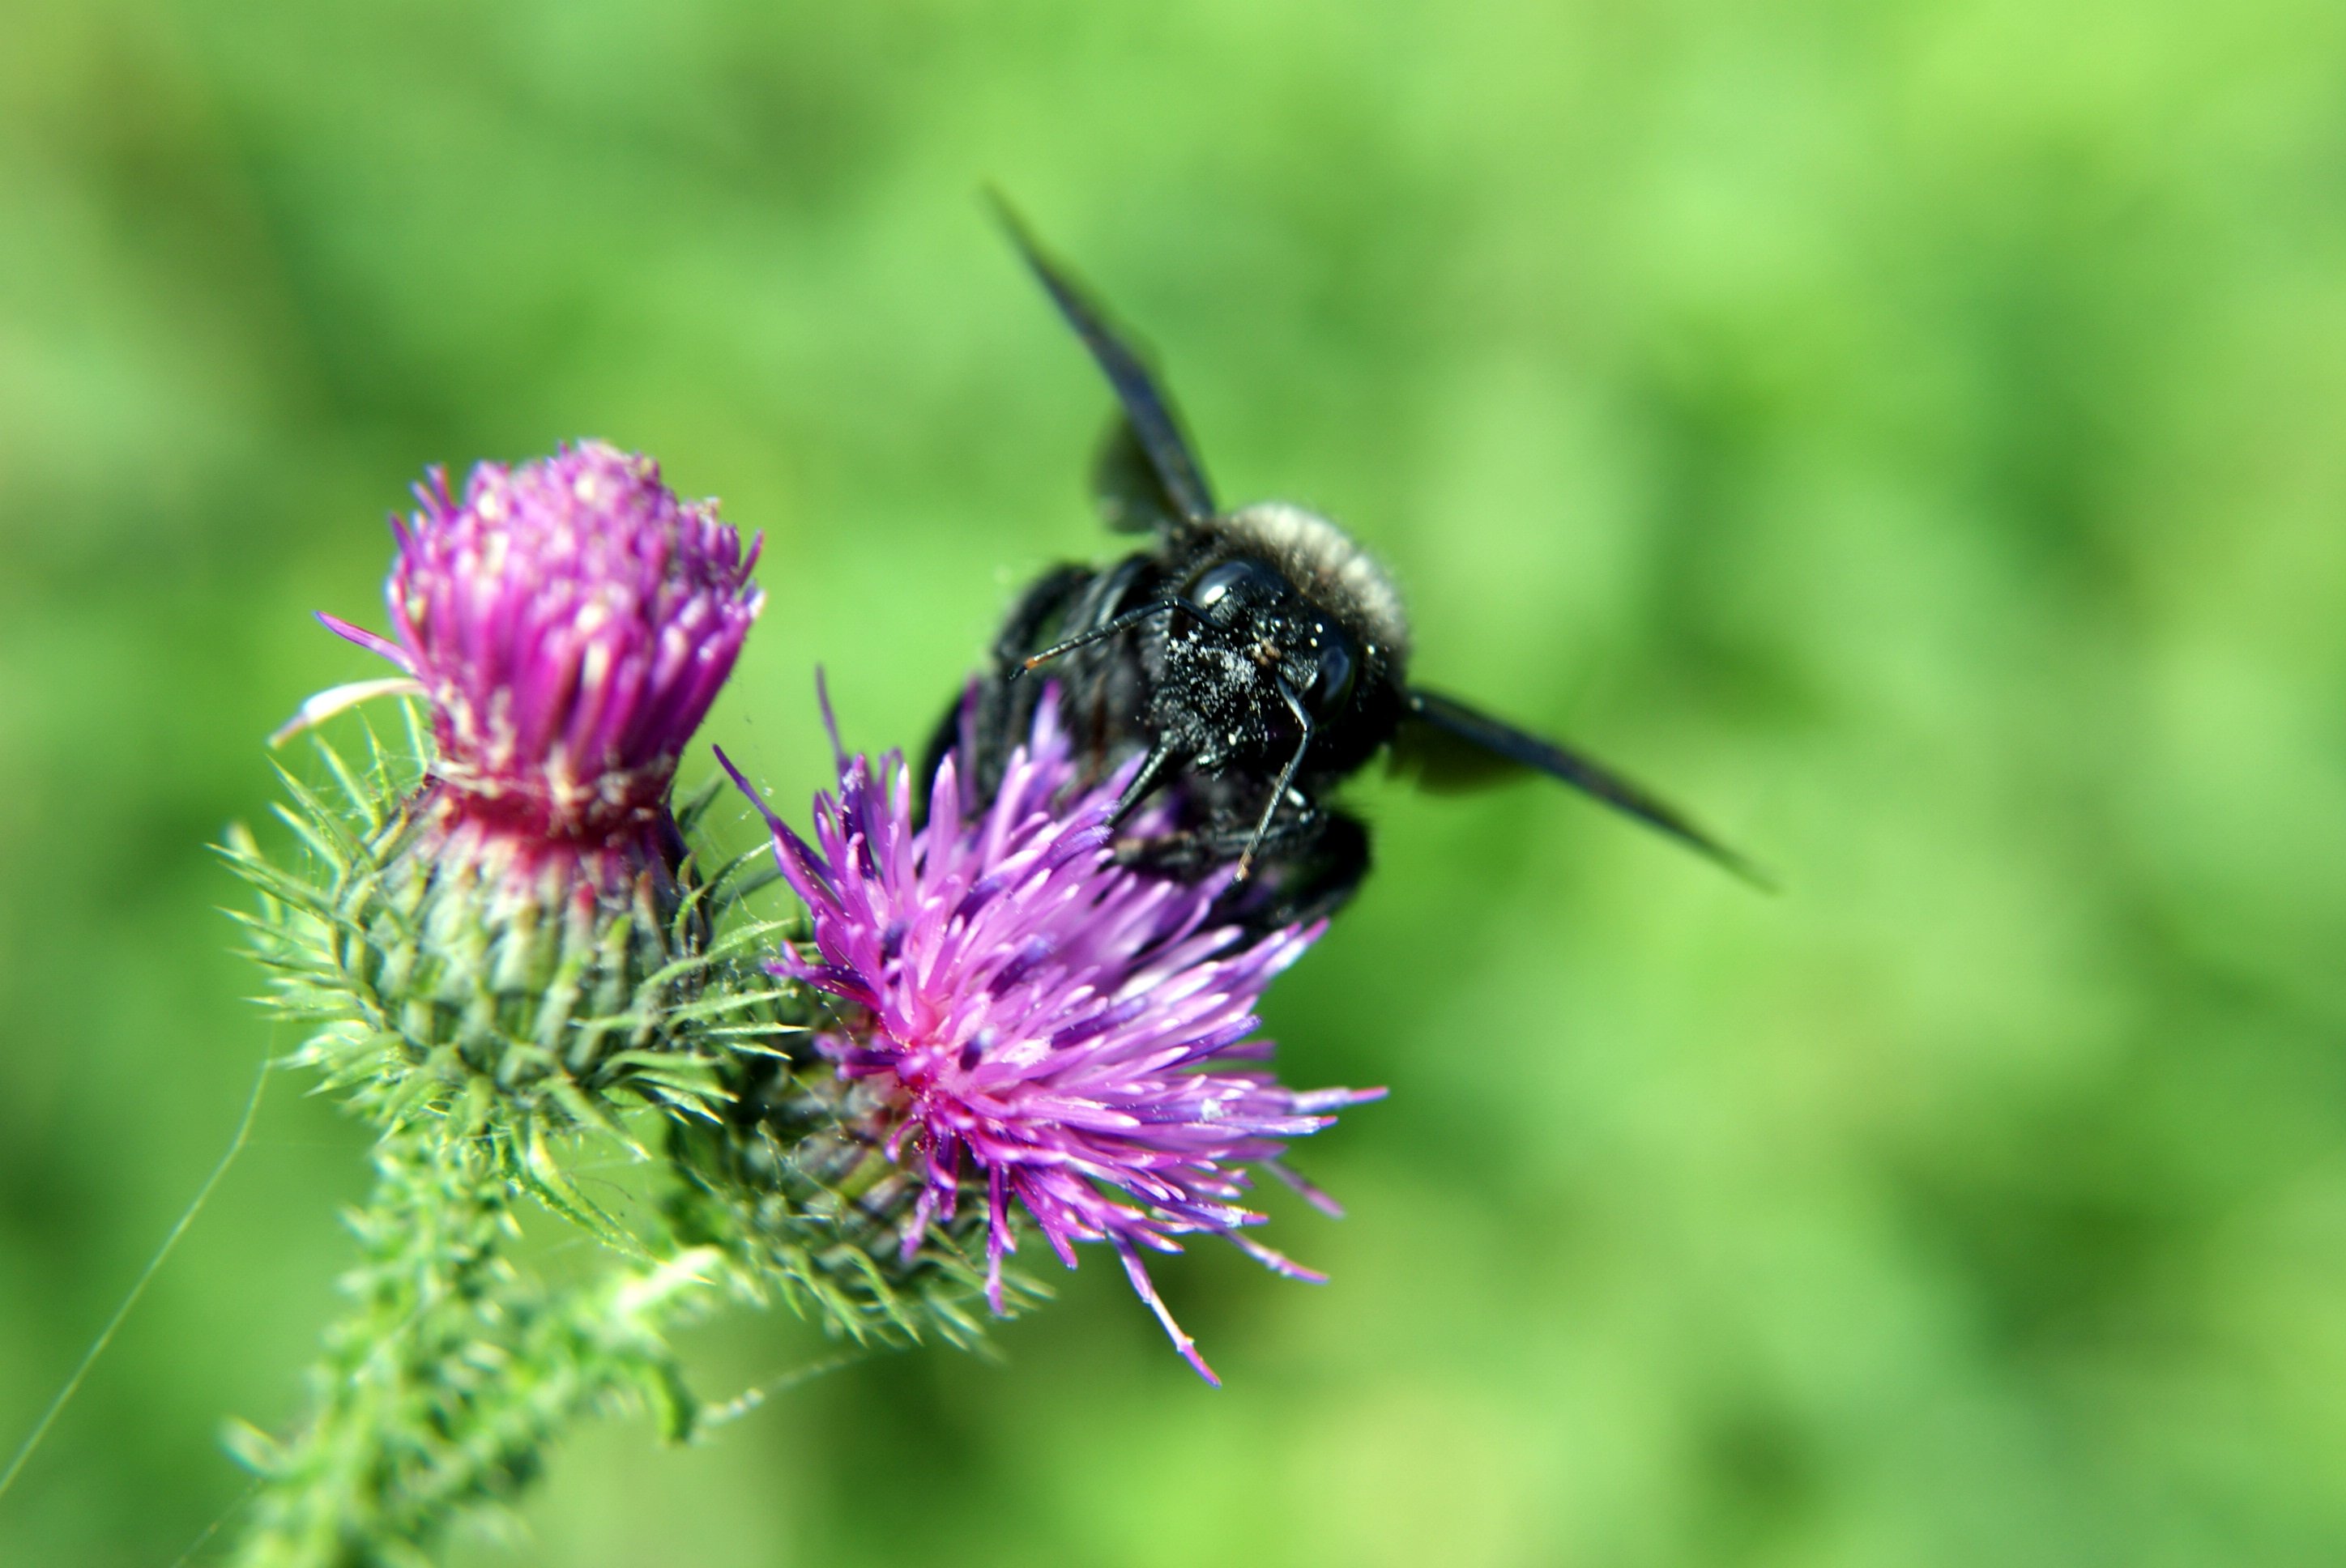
(1204,847)
(941,740)
(1305,874)
(1307,867)
(1001,713)
(1316,883)
(1038,611)
(1104,686)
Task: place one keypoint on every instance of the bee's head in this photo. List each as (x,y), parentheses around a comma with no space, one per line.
(1250,606)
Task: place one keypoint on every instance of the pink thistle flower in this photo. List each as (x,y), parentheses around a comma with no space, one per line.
(1049,1026)
(570,621)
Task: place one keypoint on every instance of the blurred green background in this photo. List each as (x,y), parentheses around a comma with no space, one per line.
(1910,433)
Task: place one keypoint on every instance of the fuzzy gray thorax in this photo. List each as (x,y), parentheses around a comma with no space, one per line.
(1328,567)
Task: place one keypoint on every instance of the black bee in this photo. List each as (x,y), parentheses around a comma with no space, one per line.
(1254,658)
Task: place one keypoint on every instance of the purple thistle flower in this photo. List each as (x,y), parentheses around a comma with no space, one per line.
(1050,1026)
(570,621)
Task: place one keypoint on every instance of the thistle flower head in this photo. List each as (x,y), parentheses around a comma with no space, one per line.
(570,621)
(1050,1028)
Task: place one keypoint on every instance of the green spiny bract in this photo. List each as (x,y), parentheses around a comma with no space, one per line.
(794,1183)
(426,964)
(645,1018)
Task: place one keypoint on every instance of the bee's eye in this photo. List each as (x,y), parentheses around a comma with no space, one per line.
(1331,675)
(1226,591)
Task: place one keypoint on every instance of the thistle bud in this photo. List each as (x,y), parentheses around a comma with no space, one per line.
(567,623)
(570,621)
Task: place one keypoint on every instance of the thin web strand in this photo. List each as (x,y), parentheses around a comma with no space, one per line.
(154,1266)
(184,1558)
(749,1398)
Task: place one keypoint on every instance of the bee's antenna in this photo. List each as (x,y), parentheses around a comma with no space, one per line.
(1123,623)
(1286,779)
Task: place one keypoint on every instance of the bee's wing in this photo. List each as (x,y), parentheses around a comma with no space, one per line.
(1450,745)
(1129,488)
(1149,445)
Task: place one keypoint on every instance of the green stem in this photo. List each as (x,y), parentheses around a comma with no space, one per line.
(454,1370)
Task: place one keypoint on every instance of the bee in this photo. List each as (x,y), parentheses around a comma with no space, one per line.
(1253,659)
